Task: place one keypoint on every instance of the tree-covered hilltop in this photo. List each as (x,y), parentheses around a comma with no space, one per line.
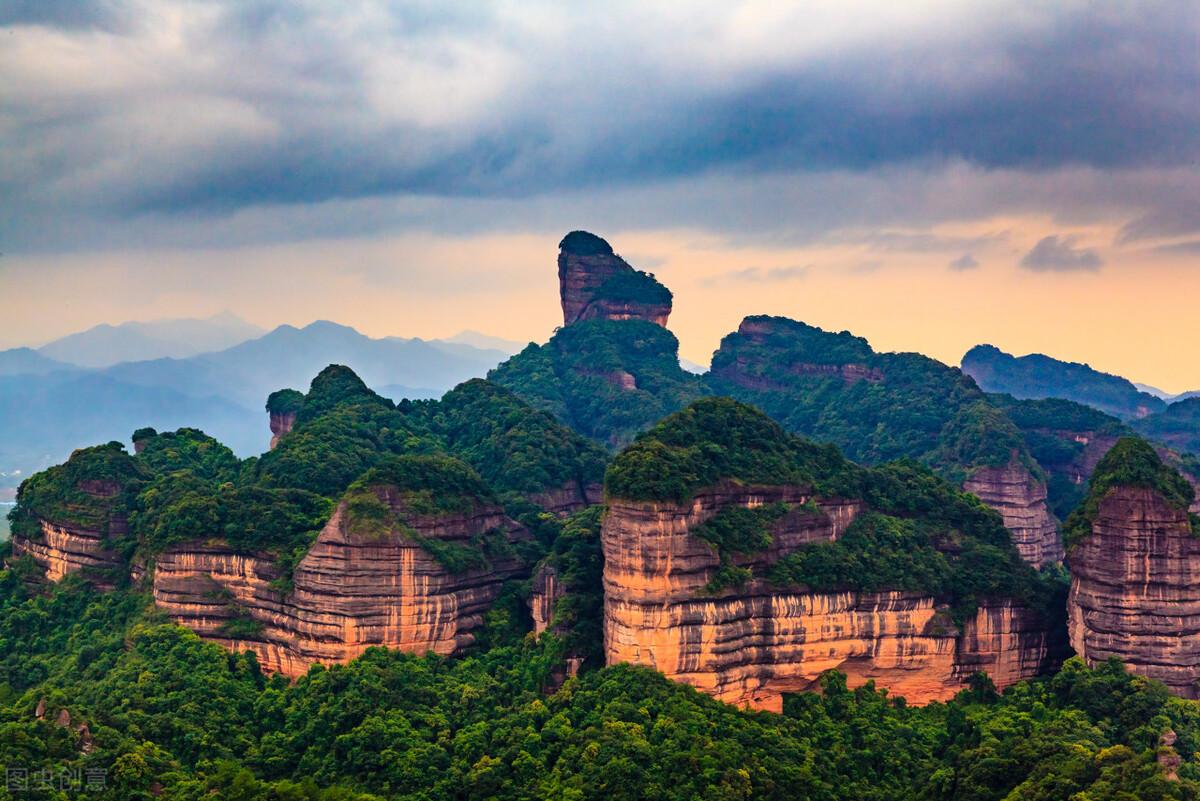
(185,486)
(1130,463)
(633,287)
(93,491)
(1177,426)
(876,407)
(1037,376)
(607,379)
(720,439)
(148,710)
(515,447)
(922,533)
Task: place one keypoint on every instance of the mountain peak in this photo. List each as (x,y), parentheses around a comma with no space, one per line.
(595,283)
(584,243)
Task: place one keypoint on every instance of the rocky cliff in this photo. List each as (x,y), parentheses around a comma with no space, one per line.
(283,406)
(1135,589)
(1020,498)
(882,406)
(595,283)
(358,586)
(63,549)
(750,644)
(69,518)
(281,423)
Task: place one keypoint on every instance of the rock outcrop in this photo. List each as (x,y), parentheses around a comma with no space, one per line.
(811,380)
(354,589)
(595,283)
(546,591)
(281,423)
(1135,589)
(284,404)
(1020,498)
(570,497)
(62,549)
(749,645)
(69,519)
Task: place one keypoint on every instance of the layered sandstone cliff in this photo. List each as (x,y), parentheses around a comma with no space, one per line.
(64,549)
(570,497)
(76,534)
(1135,589)
(1020,498)
(354,589)
(749,645)
(595,283)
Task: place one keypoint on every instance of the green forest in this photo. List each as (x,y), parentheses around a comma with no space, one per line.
(101,691)
(134,707)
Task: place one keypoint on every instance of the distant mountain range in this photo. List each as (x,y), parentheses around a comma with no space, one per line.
(106,345)
(1170,419)
(1167,396)
(1037,376)
(49,406)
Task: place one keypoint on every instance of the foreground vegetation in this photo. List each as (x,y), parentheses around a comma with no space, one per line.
(169,716)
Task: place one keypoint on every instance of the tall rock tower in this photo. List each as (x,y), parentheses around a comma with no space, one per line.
(595,283)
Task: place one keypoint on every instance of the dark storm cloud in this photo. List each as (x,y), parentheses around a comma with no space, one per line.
(1054,254)
(1106,91)
(265,104)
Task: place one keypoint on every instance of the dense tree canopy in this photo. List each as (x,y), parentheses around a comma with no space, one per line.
(168,716)
(607,379)
(876,407)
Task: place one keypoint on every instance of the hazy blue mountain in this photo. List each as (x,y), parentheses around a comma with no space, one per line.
(290,357)
(1167,396)
(43,418)
(47,413)
(475,339)
(1039,376)
(105,345)
(26,361)
(1161,394)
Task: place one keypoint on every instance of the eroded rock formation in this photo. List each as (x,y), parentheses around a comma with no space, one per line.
(352,590)
(751,644)
(810,380)
(281,424)
(1020,498)
(595,283)
(570,497)
(1135,589)
(547,589)
(61,550)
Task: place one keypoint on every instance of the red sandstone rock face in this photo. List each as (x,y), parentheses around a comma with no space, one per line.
(570,497)
(65,549)
(351,591)
(579,276)
(752,644)
(1135,590)
(281,423)
(546,591)
(1020,499)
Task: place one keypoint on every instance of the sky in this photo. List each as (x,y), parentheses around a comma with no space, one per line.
(930,175)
